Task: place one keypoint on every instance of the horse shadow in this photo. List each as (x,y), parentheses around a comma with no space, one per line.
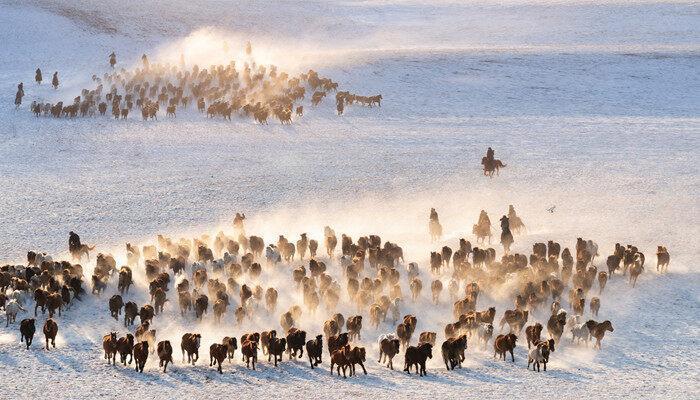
(55,359)
(480,376)
(7,359)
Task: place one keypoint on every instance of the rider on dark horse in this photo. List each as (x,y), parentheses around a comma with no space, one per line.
(19,95)
(490,163)
(506,235)
(73,242)
(505,224)
(490,154)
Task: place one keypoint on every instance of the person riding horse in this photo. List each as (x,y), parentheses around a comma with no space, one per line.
(506,235)
(112,59)
(490,163)
(516,223)
(484,221)
(482,229)
(238,223)
(484,224)
(19,95)
(433,215)
(434,226)
(73,242)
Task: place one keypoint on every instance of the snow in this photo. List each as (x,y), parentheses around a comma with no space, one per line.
(594,109)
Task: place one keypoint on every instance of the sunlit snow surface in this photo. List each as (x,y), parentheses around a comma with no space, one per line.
(593,108)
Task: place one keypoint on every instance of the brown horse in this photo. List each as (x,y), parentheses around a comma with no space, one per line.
(482,232)
(504,344)
(82,250)
(491,166)
(663,258)
(598,329)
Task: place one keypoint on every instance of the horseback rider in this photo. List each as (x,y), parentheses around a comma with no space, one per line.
(506,235)
(238,223)
(434,226)
(491,164)
(505,224)
(73,242)
(19,95)
(516,224)
(112,59)
(54,80)
(484,221)
(37,77)
(433,215)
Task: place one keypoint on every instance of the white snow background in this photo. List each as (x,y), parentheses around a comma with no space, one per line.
(594,107)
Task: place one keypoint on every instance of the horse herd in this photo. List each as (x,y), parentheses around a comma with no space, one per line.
(225,275)
(254,90)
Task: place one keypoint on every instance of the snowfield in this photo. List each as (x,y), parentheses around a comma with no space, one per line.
(594,109)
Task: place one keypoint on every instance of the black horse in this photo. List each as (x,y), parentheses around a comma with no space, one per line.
(506,235)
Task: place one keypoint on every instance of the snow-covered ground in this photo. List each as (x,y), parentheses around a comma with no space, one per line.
(593,107)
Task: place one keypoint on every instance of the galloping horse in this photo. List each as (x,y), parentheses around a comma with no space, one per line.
(506,235)
(482,232)
(491,166)
(516,224)
(435,230)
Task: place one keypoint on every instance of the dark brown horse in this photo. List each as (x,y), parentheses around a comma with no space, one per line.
(598,330)
(491,166)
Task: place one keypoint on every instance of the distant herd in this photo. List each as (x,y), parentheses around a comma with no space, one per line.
(223,91)
(223,275)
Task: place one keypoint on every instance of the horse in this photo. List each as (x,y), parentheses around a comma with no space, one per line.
(506,235)
(491,166)
(482,232)
(435,230)
(82,250)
